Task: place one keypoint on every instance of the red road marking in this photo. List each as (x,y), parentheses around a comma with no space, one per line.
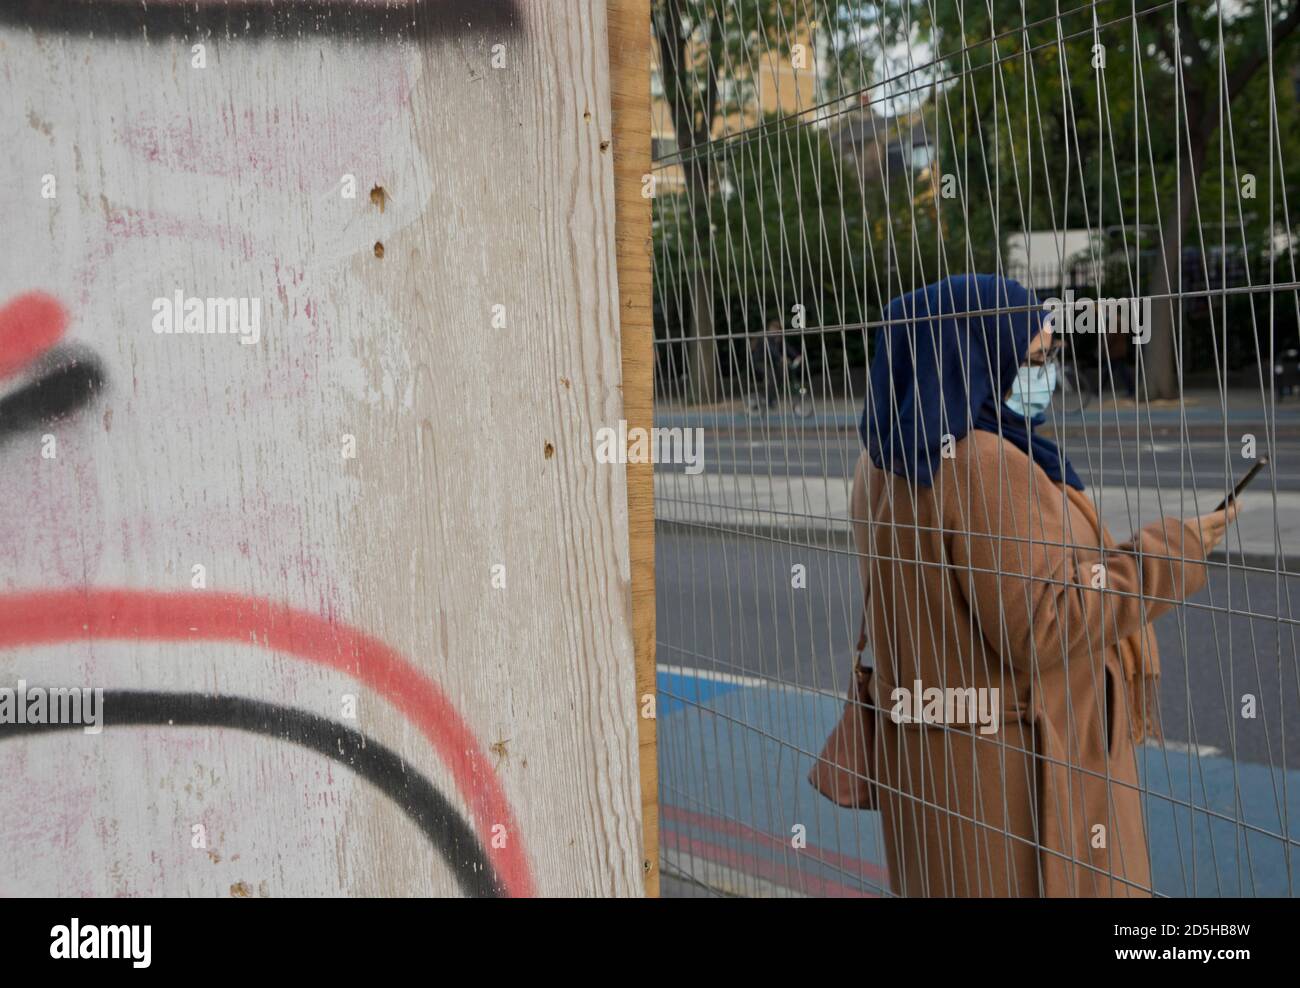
(730,828)
(29,325)
(787,877)
(50,617)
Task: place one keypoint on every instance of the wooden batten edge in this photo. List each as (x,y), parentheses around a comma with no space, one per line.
(629,78)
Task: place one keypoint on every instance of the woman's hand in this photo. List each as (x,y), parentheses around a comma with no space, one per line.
(1214,526)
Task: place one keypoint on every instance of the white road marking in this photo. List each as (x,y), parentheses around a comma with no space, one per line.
(711,676)
(1183,748)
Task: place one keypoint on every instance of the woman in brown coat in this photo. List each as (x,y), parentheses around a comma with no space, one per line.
(1015,664)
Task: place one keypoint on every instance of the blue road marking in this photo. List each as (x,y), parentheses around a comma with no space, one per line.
(741,753)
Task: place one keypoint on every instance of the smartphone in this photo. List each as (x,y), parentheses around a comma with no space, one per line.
(1260,464)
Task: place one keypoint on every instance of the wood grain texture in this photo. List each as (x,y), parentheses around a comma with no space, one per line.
(463,581)
(629,74)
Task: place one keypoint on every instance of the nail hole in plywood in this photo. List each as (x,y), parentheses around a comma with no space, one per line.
(378,197)
(379,248)
(548,450)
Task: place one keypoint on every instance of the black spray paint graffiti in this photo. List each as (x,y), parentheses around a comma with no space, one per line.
(290,19)
(66,380)
(383,768)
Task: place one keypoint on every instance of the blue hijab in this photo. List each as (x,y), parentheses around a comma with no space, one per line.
(936,370)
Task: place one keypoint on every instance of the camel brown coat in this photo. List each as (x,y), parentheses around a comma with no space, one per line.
(995,578)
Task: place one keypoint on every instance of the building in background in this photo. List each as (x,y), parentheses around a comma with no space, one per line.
(776,82)
(880,146)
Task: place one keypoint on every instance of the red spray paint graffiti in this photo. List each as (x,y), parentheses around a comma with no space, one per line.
(29,326)
(63,379)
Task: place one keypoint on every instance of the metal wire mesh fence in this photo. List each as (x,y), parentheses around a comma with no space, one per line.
(885,234)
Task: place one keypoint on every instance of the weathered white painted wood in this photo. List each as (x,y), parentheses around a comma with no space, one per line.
(473,450)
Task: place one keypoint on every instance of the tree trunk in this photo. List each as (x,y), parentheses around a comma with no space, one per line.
(702,359)
(1158,354)
(683,103)
(702,365)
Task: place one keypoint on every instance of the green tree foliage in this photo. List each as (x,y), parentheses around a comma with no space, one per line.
(1146,122)
(700,46)
(1083,120)
(789,228)
(772,216)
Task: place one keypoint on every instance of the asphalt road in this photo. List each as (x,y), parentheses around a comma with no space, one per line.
(725,604)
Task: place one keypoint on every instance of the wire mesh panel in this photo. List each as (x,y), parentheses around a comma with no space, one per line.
(968,319)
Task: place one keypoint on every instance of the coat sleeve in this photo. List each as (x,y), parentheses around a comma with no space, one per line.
(1030,568)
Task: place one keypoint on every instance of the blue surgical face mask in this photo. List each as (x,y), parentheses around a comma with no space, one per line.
(1032,391)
